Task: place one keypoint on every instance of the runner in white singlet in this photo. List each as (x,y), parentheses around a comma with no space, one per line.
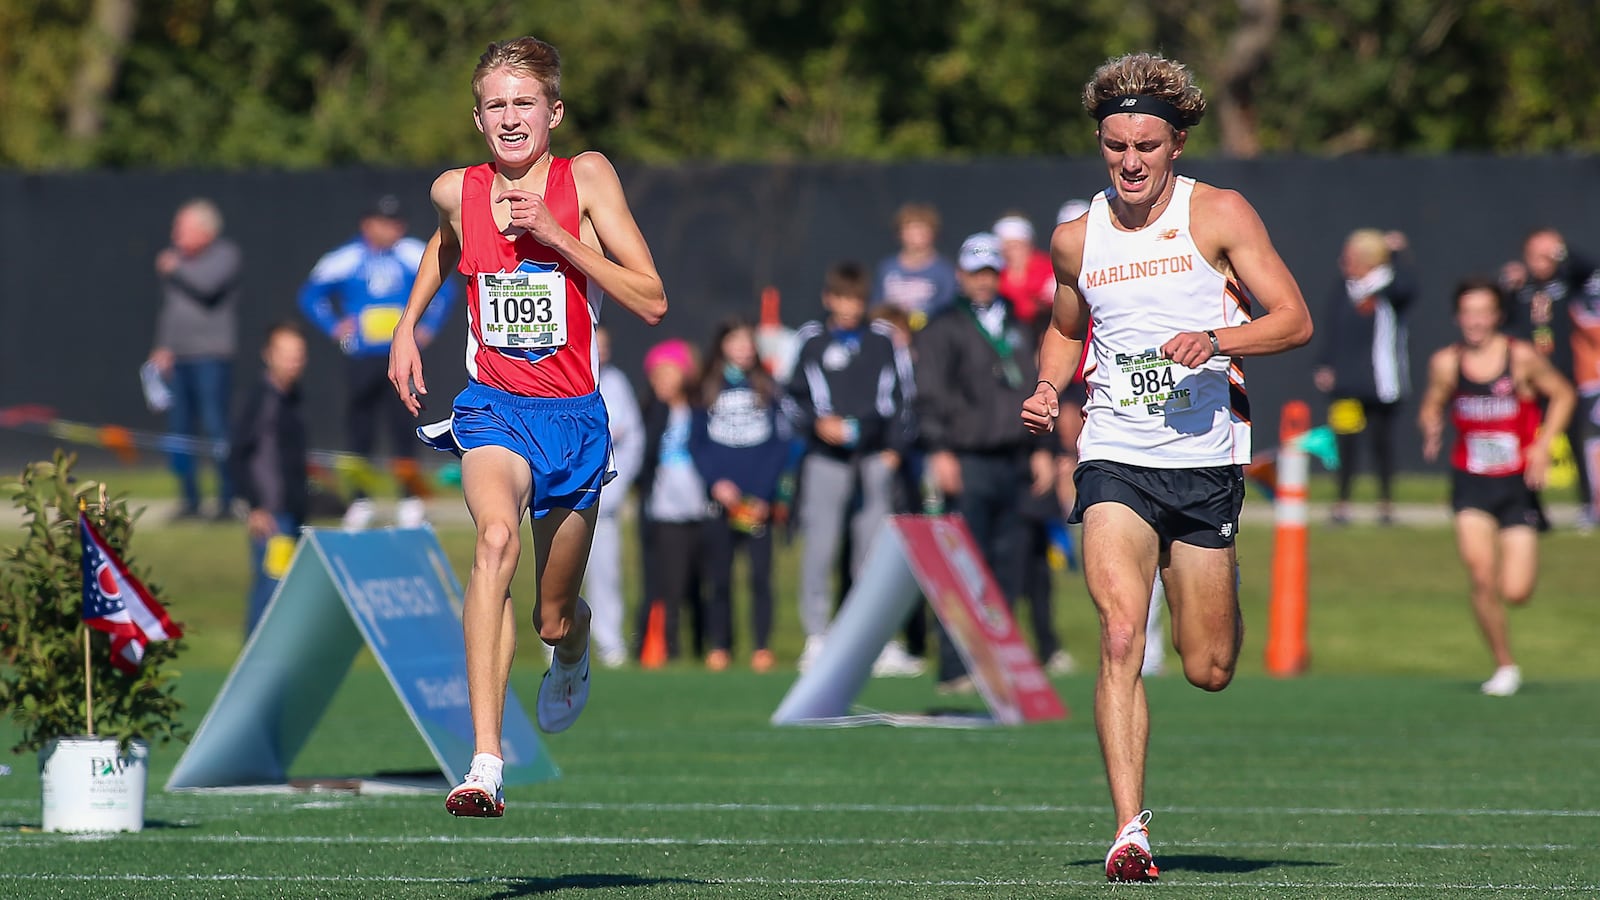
(1160,264)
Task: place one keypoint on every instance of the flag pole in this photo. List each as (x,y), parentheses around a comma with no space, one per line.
(88,668)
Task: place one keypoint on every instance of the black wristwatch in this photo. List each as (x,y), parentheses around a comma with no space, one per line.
(1216,348)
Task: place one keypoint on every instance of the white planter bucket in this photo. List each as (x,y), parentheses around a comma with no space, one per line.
(89,786)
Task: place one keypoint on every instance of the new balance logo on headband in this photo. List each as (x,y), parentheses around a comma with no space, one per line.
(1130,101)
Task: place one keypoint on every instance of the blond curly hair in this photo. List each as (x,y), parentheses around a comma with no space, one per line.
(1147,75)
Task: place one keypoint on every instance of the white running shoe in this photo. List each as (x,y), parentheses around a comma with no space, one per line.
(1129,858)
(411,513)
(894,662)
(1060,663)
(359,515)
(811,652)
(563,693)
(479,795)
(1505,681)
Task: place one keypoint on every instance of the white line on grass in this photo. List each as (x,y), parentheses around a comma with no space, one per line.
(159,807)
(807,882)
(40,840)
(961,809)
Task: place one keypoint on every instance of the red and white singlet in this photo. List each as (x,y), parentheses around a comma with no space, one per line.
(1494,426)
(537,345)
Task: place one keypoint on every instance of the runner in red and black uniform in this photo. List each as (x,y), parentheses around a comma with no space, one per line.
(1493,385)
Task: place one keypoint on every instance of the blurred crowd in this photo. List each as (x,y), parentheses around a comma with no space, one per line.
(1552,300)
(902,397)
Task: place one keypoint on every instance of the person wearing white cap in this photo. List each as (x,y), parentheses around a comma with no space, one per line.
(1070,210)
(1161,263)
(1027,282)
(975,366)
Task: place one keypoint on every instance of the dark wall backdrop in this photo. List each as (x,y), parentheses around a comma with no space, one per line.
(78,294)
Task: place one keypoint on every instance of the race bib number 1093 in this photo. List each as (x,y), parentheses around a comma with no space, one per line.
(518,310)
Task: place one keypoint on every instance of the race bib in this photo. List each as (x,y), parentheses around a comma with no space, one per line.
(1492,453)
(1145,384)
(523,310)
(377,323)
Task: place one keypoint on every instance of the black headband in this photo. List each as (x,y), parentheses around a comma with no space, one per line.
(1142,104)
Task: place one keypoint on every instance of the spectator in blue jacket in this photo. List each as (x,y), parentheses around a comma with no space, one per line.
(355,295)
(740,444)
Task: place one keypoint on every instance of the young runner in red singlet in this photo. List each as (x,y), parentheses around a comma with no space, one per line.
(1491,384)
(538,239)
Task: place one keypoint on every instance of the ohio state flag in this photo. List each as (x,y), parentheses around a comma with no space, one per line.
(117,603)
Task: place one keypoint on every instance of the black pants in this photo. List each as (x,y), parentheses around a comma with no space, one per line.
(1577,429)
(673,561)
(1036,586)
(992,487)
(720,543)
(371,402)
(1380,427)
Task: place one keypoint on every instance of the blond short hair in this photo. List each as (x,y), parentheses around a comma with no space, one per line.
(525,55)
(1368,247)
(1147,75)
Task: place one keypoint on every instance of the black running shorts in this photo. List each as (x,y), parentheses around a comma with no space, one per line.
(1506,497)
(1199,506)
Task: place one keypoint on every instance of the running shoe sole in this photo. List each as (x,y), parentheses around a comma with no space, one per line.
(473,802)
(1131,864)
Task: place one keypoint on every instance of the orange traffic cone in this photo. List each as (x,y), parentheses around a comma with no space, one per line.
(1287,653)
(653,653)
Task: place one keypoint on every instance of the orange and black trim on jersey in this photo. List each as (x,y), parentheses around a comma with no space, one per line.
(1235,291)
(1238,399)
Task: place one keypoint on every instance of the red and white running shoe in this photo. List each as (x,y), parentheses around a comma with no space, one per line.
(478,795)
(1129,858)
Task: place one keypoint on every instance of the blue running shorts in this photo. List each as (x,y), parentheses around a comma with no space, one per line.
(565,440)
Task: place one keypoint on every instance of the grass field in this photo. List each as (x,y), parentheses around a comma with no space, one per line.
(675,786)
(1383,773)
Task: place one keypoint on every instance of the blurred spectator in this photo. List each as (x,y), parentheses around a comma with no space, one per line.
(848,399)
(1586,374)
(906,495)
(1028,281)
(673,505)
(740,444)
(355,295)
(975,367)
(917,280)
(602,581)
(267,456)
(1070,210)
(196,338)
(1363,364)
(1544,285)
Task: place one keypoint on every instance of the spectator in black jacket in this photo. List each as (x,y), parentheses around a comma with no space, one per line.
(740,444)
(1545,285)
(267,457)
(1363,364)
(975,365)
(847,397)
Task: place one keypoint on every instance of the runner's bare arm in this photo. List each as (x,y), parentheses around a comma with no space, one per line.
(632,279)
(1228,230)
(1551,384)
(1441,382)
(438,261)
(1062,344)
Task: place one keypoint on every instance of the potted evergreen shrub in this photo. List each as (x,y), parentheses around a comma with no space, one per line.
(92,751)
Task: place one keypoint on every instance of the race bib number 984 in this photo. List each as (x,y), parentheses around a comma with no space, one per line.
(520,310)
(1145,384)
